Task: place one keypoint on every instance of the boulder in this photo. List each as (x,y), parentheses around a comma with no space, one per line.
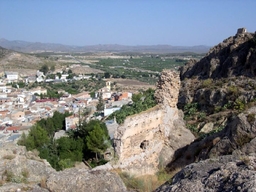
(207,128)
(77,180)
(226,173)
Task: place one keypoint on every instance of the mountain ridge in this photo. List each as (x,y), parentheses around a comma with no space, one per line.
(25,46)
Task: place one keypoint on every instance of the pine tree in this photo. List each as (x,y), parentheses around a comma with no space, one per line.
(100,105)
(97,141)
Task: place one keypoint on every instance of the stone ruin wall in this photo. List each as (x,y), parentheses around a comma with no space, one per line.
(167,88)
(140,139)
(137,139)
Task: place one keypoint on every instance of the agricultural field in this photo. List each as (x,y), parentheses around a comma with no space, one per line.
(140,67)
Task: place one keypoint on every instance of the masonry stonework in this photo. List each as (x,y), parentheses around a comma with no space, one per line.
(140,140)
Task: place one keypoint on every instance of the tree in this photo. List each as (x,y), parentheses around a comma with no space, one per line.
(97,141)
(69,148)
(53,68)
(100,105)
(58,120)
(107,75)
(92,94)
(44,69)
(36,138)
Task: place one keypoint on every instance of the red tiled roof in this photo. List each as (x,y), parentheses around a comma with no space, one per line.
(12,128)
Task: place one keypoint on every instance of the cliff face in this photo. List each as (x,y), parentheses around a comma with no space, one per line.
(143,138)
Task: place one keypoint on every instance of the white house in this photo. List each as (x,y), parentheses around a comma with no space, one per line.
(64,77)
(38,90)
(71,122)
(40,76)
(110,111)
(11,76)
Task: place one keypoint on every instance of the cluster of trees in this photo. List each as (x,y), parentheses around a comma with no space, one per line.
(87,143)
(141,102)
(45,68)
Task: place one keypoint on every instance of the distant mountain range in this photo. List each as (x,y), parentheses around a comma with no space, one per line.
(29,47)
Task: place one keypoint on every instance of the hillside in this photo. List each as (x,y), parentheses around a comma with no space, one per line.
(218,99)
(222,82)
(15,61)
(235,56)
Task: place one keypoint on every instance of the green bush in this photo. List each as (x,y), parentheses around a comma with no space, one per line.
(239,105)
(141,102)
(207,83)
(190,109)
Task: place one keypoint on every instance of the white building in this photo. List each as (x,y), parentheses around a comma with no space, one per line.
(71,122)
(40,76)
(11,76)
(38,90)
(109,111)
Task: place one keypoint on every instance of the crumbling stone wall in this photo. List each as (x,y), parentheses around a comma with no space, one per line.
(141,138)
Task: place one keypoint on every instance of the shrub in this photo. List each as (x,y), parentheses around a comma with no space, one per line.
(251,118)
(233,92)
(217,109)
(9,157)
(43,183)
(25,173)
(202,115)
(207,83)
(130,181)
(8,175)
(239,105)
(191,108)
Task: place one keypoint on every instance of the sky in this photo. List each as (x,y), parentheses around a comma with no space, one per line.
(125,22)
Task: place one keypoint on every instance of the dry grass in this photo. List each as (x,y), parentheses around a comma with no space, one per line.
(145,183)
(9,157)
(43,183)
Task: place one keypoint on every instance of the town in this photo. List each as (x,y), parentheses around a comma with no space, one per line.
(21,108)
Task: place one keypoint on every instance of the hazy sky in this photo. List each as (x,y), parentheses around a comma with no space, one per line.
(127,22)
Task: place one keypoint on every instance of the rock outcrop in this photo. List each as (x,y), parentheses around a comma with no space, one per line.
(222,80)
(221,86)
(74,179)
(25,171)
(225,161)
(226,173)
(238,137)
(235,56)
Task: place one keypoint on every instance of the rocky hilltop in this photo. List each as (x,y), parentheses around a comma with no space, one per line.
(235,56)
(223,81)
(218,98)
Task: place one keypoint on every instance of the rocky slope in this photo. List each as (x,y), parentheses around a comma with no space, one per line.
(225,173)
(25,171)
(217,96)
(223,81)
(235,56)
